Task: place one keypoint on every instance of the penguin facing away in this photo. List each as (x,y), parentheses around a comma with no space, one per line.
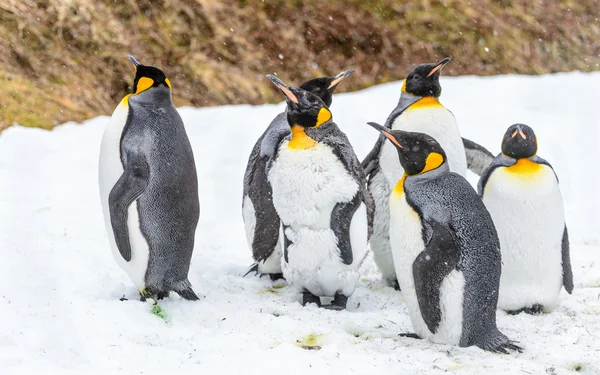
(261,221)
(522,194)
(445,248)
(320,195)
(418,110)
(149,188)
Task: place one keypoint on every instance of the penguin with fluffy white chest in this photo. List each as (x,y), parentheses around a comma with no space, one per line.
(320,195)
(418,110)
(261,221)
(522,194)
(149,188)
(447,252)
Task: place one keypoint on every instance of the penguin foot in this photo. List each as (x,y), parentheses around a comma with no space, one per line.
(276,276)
(123,299)
(410,335)
(502,348)
(339,303)
(308,297)
(533,310)
(396,285)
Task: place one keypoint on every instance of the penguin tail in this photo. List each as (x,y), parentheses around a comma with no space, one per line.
(185,291)
(253,268)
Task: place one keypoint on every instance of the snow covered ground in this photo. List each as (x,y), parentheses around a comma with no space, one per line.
(60,287)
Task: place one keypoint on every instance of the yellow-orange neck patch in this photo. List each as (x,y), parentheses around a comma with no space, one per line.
(125,100)
(426,102)
(433,161)
(323,117)
(300,141)
(399,188)
(524,166)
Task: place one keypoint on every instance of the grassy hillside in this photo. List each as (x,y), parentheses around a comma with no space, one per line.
(65,59)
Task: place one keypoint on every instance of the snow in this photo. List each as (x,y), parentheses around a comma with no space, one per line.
(60,307)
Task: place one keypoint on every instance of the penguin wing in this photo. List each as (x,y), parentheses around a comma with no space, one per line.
(566,263)
(370,164)
(128,188)
(277,130)
(430,268)
(341,218)
(478,157)
(499,161)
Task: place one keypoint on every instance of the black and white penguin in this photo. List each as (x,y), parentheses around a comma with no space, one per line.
(149,188)
(320,195)
(261,221)
(418,110)
(521,192)
(445,248)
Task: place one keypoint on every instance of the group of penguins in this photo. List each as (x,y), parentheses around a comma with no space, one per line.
(312,210)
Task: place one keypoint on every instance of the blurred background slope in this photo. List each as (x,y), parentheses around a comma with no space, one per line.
(65,60)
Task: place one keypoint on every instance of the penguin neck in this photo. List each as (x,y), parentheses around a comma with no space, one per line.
(426,102)
(154,95)
(300,140)
(430,174)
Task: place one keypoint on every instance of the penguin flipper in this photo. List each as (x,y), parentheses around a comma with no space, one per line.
(128,188)
(371,161)
(478,157)
(431,267)
(341,219)
(567,272)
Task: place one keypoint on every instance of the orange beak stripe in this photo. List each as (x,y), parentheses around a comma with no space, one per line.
(391,138)
(288,93)
(522,134)
(435,70)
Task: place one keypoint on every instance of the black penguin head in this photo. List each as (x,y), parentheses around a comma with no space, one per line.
(424,80)
(303,108)
(519,142)
(147,77)
(418,152)
(325,86)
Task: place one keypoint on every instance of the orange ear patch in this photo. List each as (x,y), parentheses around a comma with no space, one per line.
(144,84)
(433,161)
(288,93)
(323,116)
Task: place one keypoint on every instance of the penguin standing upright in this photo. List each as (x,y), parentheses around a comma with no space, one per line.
(261,221)
(149,188)
(445,248)
(521,192)
(320,195)
(418,110)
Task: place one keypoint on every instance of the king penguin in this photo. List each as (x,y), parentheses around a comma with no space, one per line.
(261,221)
(420,110)
(445,248)
(521,192)
(149,188)
(320,195)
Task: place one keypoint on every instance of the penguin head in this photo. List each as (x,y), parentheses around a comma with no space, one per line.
(303,107)
(418,152)
(519,142)
(147,77)
(325,86)
(424,80)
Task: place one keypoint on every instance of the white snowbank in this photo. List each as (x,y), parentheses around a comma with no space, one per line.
(60,287)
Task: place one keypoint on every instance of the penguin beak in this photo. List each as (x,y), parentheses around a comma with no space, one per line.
(385,132)
(133,61)
(339,78)
(439,66)
(519,131)
(284,88)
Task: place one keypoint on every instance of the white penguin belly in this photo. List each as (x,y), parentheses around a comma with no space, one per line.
(406,244)
(527,209)
(307,184)
(110,170)
(273,263)
(434,120)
